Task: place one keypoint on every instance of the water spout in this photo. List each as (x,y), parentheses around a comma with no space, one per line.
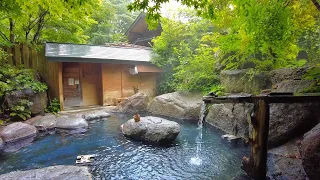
(197,160)
(202,114)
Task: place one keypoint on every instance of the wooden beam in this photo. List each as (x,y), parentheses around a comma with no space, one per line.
(306,98)
(256,165)
(60,83)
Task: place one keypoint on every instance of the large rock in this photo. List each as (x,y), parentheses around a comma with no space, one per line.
(39,100)
(17,131)
(182,105)
(151,129)
(134,104)
(279,75)
(286,120)
(294,86)
(47,122)
(93,115)
(284,162)
(71,122)
(1,144)
(236,81)
(289,120)
(231,118)
(50,173)
(310,153)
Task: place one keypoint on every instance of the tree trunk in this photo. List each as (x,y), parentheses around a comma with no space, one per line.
(12,38)
(315,2)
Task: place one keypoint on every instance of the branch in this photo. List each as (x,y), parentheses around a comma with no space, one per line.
(40,26)
(4,36)
(315,2)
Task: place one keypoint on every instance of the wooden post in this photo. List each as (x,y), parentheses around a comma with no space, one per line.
(17,55)
(256,165)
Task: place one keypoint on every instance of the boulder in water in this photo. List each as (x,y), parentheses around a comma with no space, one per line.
(151,129)
(47,122)
(52,172)
(1,144)
(17,131)
(71,122)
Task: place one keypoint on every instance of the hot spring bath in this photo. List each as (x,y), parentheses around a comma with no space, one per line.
(193,155)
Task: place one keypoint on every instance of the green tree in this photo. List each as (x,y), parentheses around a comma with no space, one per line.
(264,33)
(112,20)
(39,20)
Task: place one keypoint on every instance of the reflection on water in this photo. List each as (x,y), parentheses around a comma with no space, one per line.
(206,157)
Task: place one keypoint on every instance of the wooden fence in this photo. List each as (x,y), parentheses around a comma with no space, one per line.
(29,57)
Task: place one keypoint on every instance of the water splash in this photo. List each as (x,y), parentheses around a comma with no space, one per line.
(197,160)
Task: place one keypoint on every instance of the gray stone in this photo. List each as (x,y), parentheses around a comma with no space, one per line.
(47,122)
(71,122)
(236,81)
(286,120)
(182,105)
(289,120)
(294,86)
(284,162)
(151,129)
(134,104)
(310,152)
(50,173)
(230,118)
(279,75)
(17,131)
(39,100)
(93,115)
(1,144)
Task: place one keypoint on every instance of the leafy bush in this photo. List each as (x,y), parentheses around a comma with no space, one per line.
(313,74)
(15,79)
(54,106)
(21,110)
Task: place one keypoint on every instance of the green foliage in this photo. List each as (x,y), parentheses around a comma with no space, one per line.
(54,106)
(217,89)
(112,20)
(314,75)
(72,21)
(13,79)
(263,35)
(21,110)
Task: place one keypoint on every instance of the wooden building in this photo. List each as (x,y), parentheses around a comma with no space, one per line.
(86,75)
(139,34)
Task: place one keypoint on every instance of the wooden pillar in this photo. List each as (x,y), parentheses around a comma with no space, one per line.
(256,165)
(60,86)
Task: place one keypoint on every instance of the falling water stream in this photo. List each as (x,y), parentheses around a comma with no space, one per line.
(197,160)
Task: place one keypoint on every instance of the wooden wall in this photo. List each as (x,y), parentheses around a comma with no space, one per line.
(90,80)
(117,82)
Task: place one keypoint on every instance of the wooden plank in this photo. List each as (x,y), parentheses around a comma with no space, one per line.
(90,78)
(25,55)
(34,59)
(111,78)
(10,55)
(17,55)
